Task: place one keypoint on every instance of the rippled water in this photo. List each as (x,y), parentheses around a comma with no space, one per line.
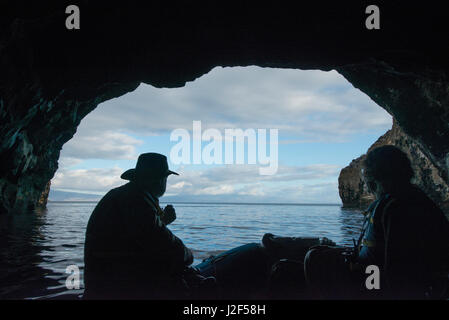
(36,248)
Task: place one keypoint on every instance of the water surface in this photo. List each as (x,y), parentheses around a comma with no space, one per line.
(37,247)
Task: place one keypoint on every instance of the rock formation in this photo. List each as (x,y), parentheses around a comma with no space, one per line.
(42,202)
(353,190)
(52,77)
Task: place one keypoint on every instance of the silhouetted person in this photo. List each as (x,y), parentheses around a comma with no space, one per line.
(405,234)
(129,251)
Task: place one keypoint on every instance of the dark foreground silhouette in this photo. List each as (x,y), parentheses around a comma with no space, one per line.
(131,254)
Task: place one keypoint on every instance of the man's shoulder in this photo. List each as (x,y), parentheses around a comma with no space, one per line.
(120,194)
(412,204)
(123,190)
(130,195)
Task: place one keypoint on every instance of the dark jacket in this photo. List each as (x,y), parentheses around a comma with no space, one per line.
(407,236)
(129,252)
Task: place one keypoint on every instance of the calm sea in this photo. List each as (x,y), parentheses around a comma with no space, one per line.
(36,248)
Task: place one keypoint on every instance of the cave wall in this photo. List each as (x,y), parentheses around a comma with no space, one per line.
(43,198)
(418,99)
(354,192)
(52,77)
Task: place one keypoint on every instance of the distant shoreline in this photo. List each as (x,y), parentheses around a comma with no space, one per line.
(216,203)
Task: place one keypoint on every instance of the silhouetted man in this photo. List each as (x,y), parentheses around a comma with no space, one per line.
(405,234)
(129,251)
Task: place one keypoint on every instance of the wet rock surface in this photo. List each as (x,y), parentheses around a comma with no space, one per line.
(52,77)
(42,202)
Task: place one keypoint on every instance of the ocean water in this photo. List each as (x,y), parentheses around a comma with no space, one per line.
(37,247)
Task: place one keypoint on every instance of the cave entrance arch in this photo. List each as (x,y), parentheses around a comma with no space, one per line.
(52,78)
(320,98)
(318,116)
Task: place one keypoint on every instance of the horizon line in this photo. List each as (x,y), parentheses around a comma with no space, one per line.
(215,202)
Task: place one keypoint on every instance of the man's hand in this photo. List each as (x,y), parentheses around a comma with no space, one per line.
(169,215)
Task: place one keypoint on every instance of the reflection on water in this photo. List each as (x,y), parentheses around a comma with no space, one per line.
(351,224)
(36,248)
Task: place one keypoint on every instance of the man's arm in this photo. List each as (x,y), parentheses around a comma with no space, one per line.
(171,244)
(155,238)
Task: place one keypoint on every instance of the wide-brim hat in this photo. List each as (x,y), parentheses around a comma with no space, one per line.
(149,166)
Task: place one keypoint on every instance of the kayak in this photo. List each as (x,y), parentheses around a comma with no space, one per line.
(244,272)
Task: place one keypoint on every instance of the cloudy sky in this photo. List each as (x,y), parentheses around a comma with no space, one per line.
(322,120)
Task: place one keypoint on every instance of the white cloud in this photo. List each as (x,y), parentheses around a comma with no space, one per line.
(67,162)
(313,104)
(245,180)
(297,184)
(94,180)
(215,190)
(255,191)
(306,106)
(95,144)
